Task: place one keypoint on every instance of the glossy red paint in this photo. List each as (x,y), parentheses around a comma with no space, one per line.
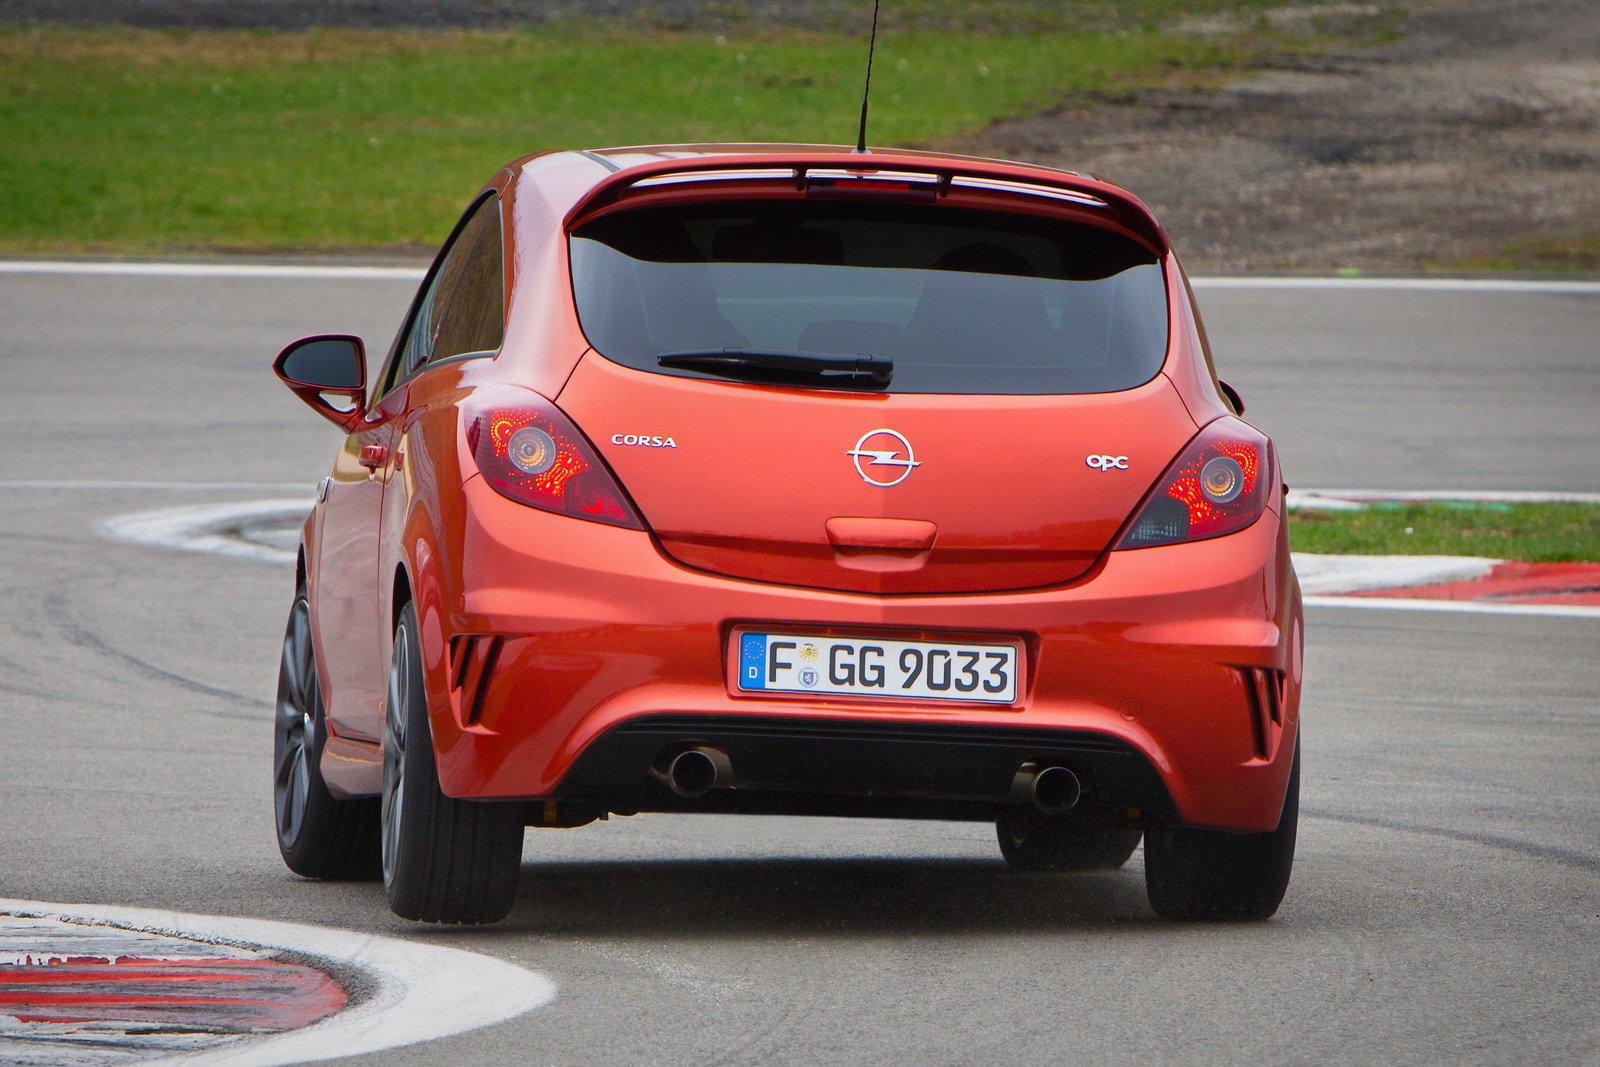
(539,632)
(1148,651)
(993,466)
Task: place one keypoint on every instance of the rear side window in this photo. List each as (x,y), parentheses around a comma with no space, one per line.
(461,309)
(962,301)
(474,321)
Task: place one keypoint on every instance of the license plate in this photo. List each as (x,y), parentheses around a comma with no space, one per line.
(855,666)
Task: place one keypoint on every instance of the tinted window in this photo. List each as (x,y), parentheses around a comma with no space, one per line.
(962,301)
(474,320)
(462,306)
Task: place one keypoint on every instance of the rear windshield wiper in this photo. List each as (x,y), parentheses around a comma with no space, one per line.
(739,363)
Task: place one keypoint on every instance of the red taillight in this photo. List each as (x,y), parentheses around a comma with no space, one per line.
(1219,485)
(531,453)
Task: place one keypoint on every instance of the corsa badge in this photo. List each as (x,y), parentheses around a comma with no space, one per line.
(643,440)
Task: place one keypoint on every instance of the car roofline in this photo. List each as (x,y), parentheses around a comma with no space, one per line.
(802,162)
(762,148)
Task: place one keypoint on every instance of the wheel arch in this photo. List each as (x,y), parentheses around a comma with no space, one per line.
(421,578)
(399,594)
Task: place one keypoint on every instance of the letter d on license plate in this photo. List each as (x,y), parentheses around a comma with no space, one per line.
(855,666)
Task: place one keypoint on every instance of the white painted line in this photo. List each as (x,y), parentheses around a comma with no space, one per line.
(1465,607)
(198,269)
(1313,500)
(1426,285)
(207,527)
(1491,496)
(227,487)
(421,992)
(1354,574)
(212,270)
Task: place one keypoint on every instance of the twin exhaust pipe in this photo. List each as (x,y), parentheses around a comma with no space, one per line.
(695,772)
(1052,790)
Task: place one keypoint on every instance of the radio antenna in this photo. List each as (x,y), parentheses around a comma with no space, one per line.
(861,137)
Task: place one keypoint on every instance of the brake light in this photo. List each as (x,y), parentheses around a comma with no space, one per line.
(531,453)
(1218,485)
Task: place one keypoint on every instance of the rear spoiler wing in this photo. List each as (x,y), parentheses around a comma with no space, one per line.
(843,174)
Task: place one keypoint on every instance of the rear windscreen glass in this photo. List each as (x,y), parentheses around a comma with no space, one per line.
(962,301)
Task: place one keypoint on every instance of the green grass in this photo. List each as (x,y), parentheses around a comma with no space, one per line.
(1575,250)
(128,140)
(1534,533)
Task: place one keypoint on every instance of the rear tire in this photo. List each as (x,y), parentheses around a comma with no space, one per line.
(444,860)
(1206,875)
(1031,841)
(319,835)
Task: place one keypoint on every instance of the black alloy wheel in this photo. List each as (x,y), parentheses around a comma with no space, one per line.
(444,860)
(319,835)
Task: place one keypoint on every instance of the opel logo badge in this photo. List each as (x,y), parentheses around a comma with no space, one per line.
(883,455)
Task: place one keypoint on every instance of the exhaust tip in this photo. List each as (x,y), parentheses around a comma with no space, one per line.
(1055,790)
(695,772)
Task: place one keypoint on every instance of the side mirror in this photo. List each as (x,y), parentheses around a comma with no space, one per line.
(333,364)
(1233,397)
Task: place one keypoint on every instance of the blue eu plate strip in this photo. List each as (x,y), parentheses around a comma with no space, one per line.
(752,661)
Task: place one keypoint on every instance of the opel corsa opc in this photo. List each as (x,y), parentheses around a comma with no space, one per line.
(791,480)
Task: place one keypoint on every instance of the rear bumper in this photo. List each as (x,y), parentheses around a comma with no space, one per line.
(843,766)
(1160,655)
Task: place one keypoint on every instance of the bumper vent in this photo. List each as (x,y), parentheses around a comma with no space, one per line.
(1265,688)
(472,661)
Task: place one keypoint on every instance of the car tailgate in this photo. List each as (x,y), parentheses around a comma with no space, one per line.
(777,484)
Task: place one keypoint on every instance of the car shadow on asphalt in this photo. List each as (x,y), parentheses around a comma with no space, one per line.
(719,897)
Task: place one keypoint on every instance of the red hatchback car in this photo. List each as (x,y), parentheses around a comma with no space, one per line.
(787,479)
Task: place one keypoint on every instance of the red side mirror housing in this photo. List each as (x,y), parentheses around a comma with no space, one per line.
(333,363)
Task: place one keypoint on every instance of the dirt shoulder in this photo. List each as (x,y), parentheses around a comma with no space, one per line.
(1474,139)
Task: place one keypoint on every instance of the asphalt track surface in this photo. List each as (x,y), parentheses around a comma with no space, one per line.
(1446,902)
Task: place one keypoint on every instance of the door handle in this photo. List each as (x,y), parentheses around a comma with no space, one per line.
(880,545)
(373,456)
(882,535)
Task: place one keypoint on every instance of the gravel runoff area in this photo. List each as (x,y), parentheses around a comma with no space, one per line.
(1478,129)
(1475,133)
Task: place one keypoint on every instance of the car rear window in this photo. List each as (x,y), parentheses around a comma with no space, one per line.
(962,300)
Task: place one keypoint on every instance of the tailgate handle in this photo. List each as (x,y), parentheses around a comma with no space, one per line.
(882,535)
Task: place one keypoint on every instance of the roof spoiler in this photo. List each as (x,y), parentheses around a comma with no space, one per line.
(942,175)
